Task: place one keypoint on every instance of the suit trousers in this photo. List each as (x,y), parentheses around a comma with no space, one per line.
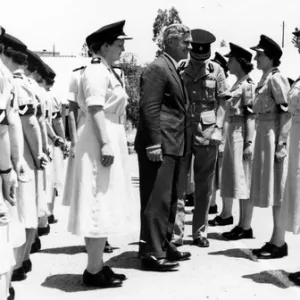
(158,196)
(204,169)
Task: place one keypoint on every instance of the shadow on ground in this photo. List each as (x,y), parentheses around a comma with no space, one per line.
(70,250)
(216,236)
(236,253)
(68,283)
(278,278)
(126,260)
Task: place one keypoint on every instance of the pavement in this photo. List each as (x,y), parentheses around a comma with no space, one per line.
(224,271)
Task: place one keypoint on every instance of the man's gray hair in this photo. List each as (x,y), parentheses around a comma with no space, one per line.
(174,31)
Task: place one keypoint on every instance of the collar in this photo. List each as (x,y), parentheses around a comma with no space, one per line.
(175,63)
(244,78)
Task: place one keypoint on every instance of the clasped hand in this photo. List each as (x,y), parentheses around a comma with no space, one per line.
(107,155)
(10,183)
(280,153)
(155,154)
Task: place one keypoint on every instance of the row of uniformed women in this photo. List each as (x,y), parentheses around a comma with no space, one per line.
(259,171)
(25,81)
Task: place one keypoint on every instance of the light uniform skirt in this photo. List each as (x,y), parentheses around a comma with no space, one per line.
(236,172)
(26,193)
(68,186)
(102,204)
(291,199)
(7,260)
(49,174)
(268,177)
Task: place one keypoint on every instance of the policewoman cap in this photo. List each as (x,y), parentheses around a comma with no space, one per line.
(2,32)
(109,32)
(14,43)
(269,47)
(33,58)
(220,59)
(50,73)
(239,52)
(296,33)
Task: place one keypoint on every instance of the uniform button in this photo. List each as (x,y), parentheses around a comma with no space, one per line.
(194,92)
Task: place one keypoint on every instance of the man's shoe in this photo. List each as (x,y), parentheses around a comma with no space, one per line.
(27,265)
(108,248)
(110,273)
(36,245)
(239,234)
(178,256)
(213,209)
(43,230)
(201,242)
(159,265)
(101,280)
(219,221)
(232,231)
(52,220)
(269,251)
(295,278)
(18,274)
(189,200)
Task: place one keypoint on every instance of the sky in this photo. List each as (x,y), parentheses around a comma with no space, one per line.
(66,23)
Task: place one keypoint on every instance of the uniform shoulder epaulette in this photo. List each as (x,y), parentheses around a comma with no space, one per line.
(275,71)
(117,67)
(211,67)
(17,75)
(96,60)
(78,69)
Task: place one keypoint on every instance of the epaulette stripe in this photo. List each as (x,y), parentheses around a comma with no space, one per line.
(78,69)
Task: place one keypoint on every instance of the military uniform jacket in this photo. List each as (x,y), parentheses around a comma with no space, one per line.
(162,108)
(206,86)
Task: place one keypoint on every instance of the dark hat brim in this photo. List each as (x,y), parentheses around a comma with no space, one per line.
(296,33)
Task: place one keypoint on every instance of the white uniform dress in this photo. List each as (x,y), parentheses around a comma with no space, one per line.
(102,201)
(26,192)
(73,96)
(291,199)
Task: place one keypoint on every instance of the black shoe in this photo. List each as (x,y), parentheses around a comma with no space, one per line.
(27,265)
(232,231)
(12,293)
(101,280)
(110,273)
(269,251)
(159,265)
(18,274)
(43,230)
(52,220)
(201,242)
(189,200)
(213,209)
(239,234)
(36,246)
(108,248)
(295,278)
(178,256)
(219,221)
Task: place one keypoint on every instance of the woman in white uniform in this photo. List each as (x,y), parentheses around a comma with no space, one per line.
(102,188)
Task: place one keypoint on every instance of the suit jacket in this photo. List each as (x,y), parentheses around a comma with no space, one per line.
(163,105)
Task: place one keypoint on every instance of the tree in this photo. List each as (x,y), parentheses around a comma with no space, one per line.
(132,73)
(223,43)
(296,40)
(84,50)
(163,19)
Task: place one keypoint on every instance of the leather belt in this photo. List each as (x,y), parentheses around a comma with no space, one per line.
(236,119)
(3,117)
(56,115)
(39,111)
(25,110)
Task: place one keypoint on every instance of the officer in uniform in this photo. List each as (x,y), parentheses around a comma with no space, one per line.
(207,89)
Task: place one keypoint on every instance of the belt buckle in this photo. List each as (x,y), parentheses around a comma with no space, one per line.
(230,119)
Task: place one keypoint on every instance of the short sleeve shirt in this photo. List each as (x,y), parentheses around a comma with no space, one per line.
(242,94)
(294,98)
(100,87)
(272,89)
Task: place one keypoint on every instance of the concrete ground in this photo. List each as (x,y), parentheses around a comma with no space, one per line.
(224,271)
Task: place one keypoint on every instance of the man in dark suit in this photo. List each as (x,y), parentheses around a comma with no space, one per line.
(160,143)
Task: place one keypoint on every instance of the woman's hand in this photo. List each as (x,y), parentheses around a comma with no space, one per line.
(10,183)
(22,171)
(107,155)
(280,153)
(43,161)
(4,218)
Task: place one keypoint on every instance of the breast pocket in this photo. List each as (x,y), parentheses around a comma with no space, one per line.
(210,89)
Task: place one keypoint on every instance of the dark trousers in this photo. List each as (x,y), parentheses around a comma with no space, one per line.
(158,197)
(204,168)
